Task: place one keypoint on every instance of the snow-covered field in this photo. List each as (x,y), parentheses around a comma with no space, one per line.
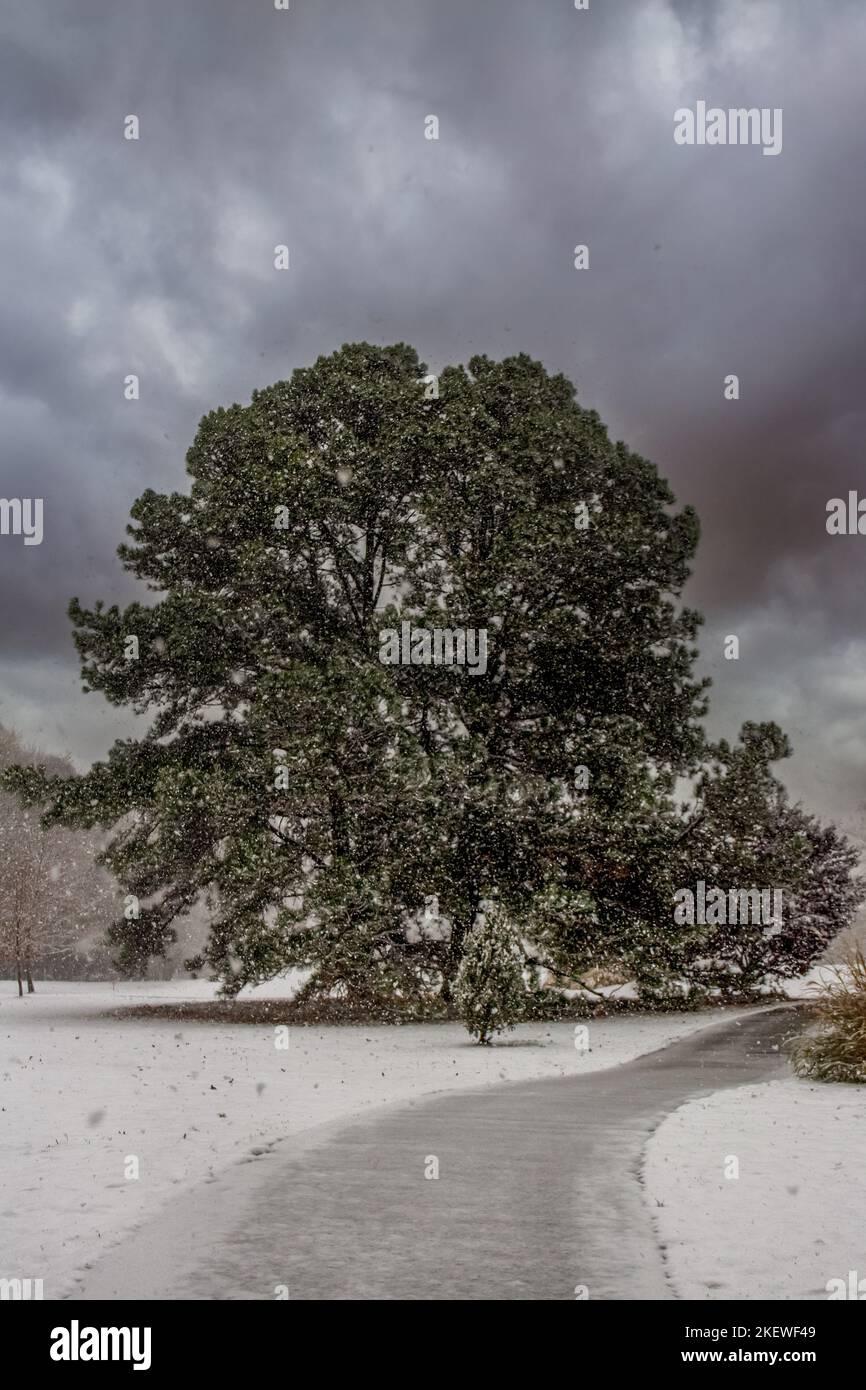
(82,1096)
(795,1217)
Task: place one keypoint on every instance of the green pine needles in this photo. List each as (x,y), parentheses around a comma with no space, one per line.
(489,990)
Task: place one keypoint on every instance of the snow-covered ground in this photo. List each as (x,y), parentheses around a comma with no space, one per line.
(795,1217)
(82,1096)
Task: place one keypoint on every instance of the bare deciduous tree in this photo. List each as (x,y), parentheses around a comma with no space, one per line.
(53,895)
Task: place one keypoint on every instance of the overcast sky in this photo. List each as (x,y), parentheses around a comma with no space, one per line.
(306,127)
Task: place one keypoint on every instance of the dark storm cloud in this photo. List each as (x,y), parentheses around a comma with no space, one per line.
(26,78)
(556,128)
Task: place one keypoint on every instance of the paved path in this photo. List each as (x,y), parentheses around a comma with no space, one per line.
(538,1191)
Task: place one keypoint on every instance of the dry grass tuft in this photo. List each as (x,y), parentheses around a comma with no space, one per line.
(836,1051)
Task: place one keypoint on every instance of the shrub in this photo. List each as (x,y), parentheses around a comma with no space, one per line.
(837,1050)
(489,990)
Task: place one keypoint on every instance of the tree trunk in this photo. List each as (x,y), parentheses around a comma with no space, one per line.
(31,988)
(17,942)
(339,834)
(459,933)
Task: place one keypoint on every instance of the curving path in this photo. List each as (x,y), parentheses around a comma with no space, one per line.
(538,1191)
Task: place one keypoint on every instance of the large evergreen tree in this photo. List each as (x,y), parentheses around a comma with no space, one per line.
(319,799)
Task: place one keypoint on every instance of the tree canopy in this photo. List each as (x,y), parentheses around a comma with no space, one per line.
(350,815)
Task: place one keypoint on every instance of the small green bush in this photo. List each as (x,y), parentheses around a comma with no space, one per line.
(837,1050)
(489,990)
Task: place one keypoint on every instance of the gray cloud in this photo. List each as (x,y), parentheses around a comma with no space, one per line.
(556,127)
